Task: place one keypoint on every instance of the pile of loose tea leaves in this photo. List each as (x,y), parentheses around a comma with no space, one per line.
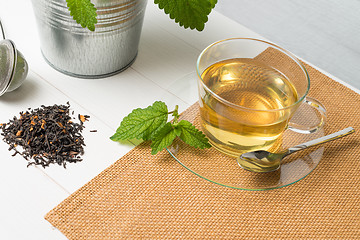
(46,135)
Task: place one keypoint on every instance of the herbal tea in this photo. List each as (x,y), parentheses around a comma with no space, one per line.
(250,119)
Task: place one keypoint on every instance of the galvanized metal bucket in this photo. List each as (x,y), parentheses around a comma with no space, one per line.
(78,52)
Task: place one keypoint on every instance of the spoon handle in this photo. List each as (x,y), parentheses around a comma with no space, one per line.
(322,140)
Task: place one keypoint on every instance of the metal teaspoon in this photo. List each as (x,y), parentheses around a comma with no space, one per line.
(264,161)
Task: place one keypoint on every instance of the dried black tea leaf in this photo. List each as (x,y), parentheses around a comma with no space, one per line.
(46,135)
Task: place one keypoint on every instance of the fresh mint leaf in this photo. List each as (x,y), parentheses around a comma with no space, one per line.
(213,3)
(163,138)
(192,136)
(177,131)
(151,124)
(83,12)
(142,123)
(188,13)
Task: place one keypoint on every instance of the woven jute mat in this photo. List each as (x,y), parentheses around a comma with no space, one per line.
(142,196)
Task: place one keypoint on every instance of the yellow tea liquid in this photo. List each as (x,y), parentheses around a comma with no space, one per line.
(251,122)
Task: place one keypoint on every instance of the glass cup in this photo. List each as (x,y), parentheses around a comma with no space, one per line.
(249,90)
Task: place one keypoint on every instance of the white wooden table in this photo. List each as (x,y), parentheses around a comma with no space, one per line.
(167,53)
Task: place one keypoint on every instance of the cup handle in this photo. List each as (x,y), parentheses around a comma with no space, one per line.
(304,129)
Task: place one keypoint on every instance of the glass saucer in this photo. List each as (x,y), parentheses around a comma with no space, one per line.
(221,169)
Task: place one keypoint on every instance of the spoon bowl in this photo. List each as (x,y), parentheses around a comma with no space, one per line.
(260,161)
(263,161)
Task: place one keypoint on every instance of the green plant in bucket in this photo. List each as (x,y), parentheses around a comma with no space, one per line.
(191,14)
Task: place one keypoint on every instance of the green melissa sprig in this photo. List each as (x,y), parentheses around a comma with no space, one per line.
(83,12)
(151,123)
(188,13)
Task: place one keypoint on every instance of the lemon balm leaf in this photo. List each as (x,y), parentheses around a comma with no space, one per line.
(142,123)
(213,3)
(164,137)
(83,12)
(192,136)
(188,13)
(151,124)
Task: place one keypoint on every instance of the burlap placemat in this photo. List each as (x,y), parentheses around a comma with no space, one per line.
(153,197)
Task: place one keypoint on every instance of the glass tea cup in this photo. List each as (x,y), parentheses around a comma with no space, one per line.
(249,90)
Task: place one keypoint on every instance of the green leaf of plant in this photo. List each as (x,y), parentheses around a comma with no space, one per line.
(142,123)
(163,138)
(192,136)
(213,3)
(177,130)
(188,13)
(83,12)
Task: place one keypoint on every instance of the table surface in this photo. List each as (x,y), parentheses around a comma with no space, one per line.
(167,53)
